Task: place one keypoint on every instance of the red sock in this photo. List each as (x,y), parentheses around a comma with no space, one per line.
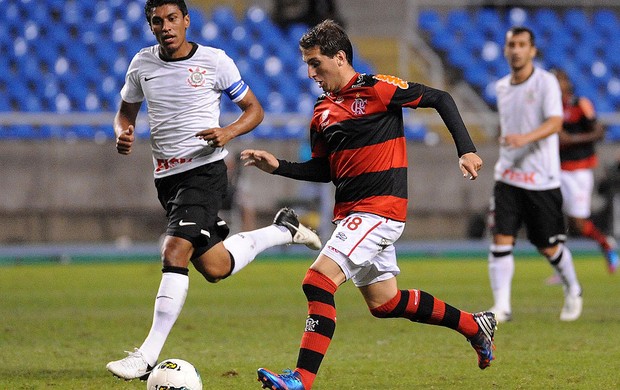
(591,231)
(320,325)
(420,306)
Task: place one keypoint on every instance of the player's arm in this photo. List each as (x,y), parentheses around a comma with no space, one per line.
(550,126)
(252,115)
(315,169)
(469,162)
(124,125)
(445,106)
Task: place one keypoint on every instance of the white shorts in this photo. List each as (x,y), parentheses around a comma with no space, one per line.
(363,247)
(577,192)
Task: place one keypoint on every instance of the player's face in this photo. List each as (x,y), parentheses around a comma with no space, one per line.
(169,26)
(324,70)
(565,87)
(519,50)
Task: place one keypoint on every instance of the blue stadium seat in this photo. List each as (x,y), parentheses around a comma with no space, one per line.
(458,20)
(582,43)
(66,56)
(429,20)
(415,132)
(488,20)
(224,17)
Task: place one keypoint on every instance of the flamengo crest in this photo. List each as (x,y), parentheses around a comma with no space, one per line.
(359,106)
(197,77)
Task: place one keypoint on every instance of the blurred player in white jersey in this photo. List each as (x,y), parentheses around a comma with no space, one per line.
(527,176)
(182,83)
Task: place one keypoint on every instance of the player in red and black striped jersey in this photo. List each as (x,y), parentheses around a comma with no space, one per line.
(358,143)
(580,132)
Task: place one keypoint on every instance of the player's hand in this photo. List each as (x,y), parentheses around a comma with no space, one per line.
(513,140)
(470,164)
(216,137)
(125,139)
(261,159)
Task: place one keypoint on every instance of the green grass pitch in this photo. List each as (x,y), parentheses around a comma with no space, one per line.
(60,325)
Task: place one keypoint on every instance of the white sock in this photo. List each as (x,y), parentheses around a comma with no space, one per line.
(501,271)
(168,304)
(247,245)
(562,262)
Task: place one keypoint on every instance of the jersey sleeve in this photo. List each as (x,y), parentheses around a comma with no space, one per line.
(552,105)
(396,93)
(132,90)
(228,79)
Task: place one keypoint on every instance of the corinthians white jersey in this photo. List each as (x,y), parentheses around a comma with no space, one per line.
(523,108)
(183,97)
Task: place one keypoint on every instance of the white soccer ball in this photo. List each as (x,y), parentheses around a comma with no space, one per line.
(174,374)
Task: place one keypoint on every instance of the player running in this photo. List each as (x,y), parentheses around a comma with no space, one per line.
(358,143)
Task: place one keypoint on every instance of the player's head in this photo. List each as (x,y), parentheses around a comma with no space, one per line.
(169,21)
(152,4)
(330,38)
(520,48)
(566,85)
(328,52)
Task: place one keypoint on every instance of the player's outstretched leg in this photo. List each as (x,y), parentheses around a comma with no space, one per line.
(483,340)
(288,380)
(301,235)
(130,367)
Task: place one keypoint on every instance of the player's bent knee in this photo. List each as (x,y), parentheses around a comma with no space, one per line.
(213,269)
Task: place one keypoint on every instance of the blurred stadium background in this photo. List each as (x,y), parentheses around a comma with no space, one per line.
(64,63)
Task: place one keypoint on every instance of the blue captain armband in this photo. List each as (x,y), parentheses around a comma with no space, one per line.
(237,90)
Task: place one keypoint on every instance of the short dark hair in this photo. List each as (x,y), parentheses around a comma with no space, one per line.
(520,30)
(150,4)
(330,37)
(561,75)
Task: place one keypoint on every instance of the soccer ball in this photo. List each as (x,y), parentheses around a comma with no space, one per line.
(174,374)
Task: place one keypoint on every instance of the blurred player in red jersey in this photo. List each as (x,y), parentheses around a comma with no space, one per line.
(580,132)
(358,143)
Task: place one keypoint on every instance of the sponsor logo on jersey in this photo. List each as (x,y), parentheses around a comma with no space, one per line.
(521,177)
(197,77)
(324,119)
(400,83)
(359,82)
(341,236)
(167,163)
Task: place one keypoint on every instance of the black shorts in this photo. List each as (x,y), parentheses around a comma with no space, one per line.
(539,211)
(192,200)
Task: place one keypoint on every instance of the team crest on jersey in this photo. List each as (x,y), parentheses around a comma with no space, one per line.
(197,77)
(359,106)
(400,83)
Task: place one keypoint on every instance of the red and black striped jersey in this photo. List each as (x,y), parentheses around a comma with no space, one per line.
(358,142)
(582,155)
(360,131)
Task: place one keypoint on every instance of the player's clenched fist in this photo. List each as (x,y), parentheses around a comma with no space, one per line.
(125,140)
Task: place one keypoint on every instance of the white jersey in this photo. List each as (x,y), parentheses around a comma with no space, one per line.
(183,97)
(523,108)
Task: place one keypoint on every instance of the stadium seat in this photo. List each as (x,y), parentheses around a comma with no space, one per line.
(583,43)
(67,56)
